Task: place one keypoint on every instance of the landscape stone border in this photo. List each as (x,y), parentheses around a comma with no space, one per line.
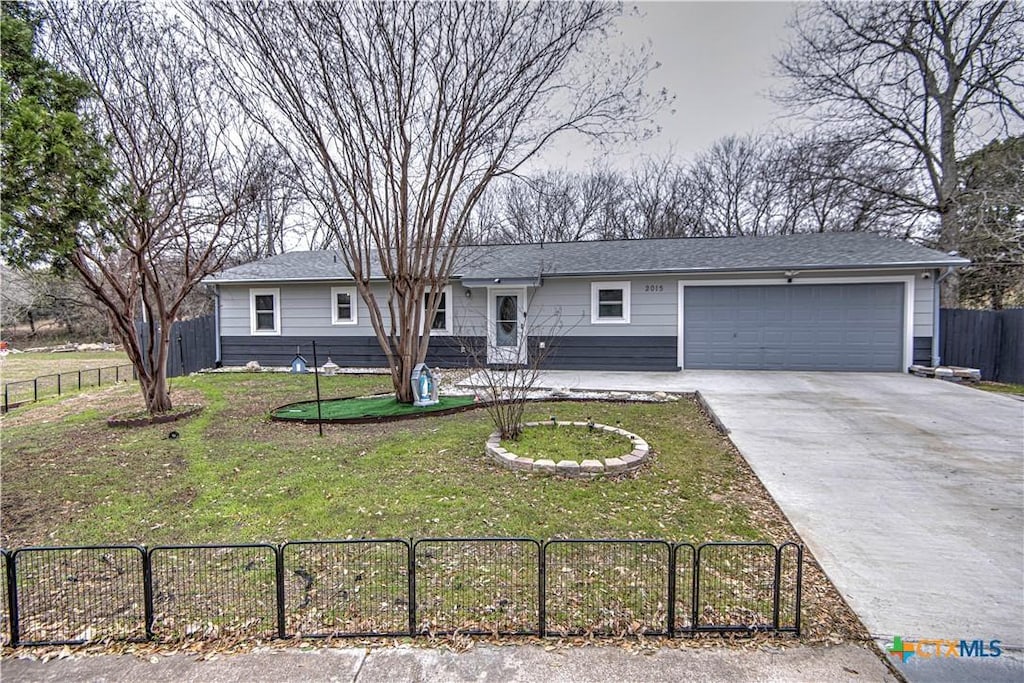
(571,468)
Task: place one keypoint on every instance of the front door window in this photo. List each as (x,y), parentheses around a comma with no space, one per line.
(506,331)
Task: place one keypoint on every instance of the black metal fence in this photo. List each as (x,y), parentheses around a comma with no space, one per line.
(988,340)
(57,384)
(397,587)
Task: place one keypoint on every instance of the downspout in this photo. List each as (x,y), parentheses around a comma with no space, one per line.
(216,327)
(936,358)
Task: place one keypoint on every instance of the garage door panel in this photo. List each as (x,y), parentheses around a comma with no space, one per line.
(794,327)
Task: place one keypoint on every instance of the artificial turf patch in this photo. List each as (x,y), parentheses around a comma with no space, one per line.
(364,407)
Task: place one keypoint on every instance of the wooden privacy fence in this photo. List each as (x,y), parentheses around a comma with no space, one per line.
(193,345)
(991,341)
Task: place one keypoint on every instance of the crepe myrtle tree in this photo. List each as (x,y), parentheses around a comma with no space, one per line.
(180,183)
(397,116)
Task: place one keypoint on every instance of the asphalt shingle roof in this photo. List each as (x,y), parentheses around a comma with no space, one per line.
(817,251)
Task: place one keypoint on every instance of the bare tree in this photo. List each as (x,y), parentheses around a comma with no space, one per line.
(274,224)
(915,82)
(553,206)
(183,181)
(397,116)
(505,388)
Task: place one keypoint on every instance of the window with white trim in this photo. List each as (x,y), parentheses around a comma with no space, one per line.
(265,311)
(609,302)
(344,306)
(441,323)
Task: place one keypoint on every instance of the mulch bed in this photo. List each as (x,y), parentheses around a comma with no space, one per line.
(136,419)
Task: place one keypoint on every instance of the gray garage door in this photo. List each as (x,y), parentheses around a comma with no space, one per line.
(794,327)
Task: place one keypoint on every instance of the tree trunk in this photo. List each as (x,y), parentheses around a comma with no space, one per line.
(401,379)
(149,359)
(155,392)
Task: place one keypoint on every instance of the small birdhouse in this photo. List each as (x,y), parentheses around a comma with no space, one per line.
(299,365)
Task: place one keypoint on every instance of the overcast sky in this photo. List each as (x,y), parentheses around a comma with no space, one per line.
(716,58)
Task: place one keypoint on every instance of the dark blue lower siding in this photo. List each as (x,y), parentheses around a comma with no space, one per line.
(609,353)
(922,350)
(565,353)
(348,352)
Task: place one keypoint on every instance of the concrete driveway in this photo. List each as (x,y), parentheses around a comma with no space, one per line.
(909,491)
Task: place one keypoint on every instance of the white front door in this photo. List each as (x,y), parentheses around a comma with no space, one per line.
(506,326)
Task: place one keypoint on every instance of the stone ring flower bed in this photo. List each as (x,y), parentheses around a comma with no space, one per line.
(571,468)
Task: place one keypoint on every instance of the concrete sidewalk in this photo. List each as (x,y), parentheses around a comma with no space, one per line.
(507,664)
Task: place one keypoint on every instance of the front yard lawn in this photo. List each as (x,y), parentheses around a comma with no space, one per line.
(235,476)
(1000,388)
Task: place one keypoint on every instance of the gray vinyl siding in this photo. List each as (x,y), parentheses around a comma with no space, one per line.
(560,307)
(564,304)
(924,300)
(306,310)
(347,352)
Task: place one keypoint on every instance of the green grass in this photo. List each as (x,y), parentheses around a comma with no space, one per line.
(1000,388)
(568,443)
(365,407)
(18,367)
(236,476)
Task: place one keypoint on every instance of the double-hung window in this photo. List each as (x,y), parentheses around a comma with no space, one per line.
(609,302)
(265,311)
(344,306)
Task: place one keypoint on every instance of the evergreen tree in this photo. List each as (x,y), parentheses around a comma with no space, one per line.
(54,168)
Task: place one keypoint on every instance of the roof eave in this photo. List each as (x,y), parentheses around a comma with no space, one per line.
(768,269)
(263,280)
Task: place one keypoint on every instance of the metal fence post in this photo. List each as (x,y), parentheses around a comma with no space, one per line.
(6,401)
(279,575)
(12,597)
(35,389)
(542,588)
(58,384)
(776,587)
(412,587)
(696,586)
(672,590)
(79,380)
(181,356)
(799,584)
(147,590)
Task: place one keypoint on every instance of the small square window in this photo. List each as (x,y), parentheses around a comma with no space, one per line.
(609,302)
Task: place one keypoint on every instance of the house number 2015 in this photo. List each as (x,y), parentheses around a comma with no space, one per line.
(654,288)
